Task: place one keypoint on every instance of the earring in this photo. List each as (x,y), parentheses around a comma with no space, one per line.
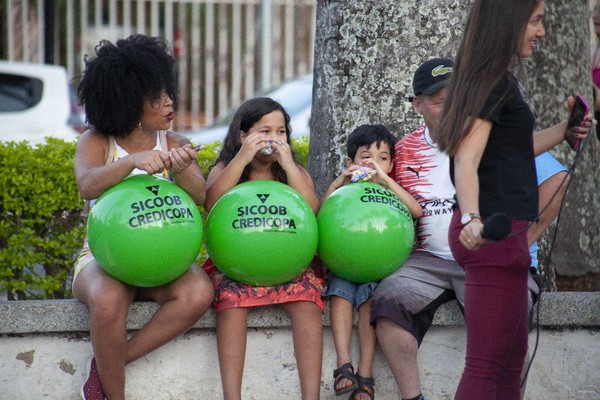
(139,126)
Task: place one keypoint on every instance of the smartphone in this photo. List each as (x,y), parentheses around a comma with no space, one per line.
(578,112)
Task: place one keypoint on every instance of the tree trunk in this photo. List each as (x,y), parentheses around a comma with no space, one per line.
(365,55)
(367,51)
(562,66)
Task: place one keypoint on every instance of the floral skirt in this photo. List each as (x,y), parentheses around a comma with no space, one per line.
(230,293)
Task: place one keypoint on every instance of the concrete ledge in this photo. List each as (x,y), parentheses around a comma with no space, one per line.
(558,309)
(44,346)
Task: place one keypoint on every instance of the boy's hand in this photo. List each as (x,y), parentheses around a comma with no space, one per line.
(344,178)
(380,176)
(363,174)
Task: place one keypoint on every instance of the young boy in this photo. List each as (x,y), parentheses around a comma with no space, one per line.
(370,155)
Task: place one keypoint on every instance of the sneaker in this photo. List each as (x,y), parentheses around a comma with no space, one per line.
(92,388)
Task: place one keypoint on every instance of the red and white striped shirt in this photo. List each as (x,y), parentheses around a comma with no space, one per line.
(424,171)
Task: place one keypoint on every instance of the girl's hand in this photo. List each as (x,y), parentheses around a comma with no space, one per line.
(470,236)
(251,144)
(283,153)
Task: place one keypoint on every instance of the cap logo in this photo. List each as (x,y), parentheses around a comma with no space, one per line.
(440,70)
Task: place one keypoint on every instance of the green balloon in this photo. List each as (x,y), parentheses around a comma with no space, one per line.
(365,232)
(145,231)
(261,233)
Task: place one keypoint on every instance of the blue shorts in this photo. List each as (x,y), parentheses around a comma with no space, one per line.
(545,166)
(355,293)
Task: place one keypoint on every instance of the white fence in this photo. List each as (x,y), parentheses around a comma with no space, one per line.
(226,50)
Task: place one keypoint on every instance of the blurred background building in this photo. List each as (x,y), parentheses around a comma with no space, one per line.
(226,50)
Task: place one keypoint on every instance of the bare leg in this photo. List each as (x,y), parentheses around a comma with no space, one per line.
(108,302)
(182,303)
(231,345)
(545,192)
(307,330)
(367,340)
(342,318)
(400,349)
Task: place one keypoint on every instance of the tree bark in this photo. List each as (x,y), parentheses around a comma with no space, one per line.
(366,53)
(562,66)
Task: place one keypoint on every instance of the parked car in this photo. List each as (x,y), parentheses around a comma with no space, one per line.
(35,103)
(77,119)
(294,95)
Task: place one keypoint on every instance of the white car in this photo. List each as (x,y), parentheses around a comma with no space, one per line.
(34,102)
(294,95)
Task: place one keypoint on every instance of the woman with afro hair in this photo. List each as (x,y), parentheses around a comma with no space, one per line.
(128,92)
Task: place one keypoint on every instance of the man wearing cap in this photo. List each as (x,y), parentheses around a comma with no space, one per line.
(405,302)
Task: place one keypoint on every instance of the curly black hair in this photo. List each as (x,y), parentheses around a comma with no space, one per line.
(117,81)
(249,113)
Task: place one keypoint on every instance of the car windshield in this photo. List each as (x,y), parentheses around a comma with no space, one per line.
(18,93)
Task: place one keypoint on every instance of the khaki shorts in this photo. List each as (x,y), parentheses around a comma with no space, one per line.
(411,295)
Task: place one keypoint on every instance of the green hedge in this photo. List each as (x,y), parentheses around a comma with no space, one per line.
(41,228)
(40,225)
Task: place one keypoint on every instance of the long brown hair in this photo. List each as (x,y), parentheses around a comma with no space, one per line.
(249,113)
(490,47)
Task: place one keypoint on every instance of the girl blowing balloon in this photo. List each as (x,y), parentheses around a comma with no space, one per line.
(258,146)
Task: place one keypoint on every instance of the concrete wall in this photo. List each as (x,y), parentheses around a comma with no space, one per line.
(44,346)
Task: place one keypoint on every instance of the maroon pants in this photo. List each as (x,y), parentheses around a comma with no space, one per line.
(495,313)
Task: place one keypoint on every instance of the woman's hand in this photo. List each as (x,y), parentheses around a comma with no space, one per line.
(470,236)
(181,158)
(578,132)
(151,161)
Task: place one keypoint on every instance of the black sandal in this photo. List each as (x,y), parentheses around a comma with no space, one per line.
(365,385)
(346,371)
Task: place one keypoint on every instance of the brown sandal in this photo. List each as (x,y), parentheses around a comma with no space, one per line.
(346,371)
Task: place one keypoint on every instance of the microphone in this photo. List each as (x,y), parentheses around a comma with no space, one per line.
(496,227)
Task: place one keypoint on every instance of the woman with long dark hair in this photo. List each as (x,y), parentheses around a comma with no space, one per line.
(487,128)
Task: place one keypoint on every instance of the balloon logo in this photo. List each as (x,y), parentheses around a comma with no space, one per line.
(145,231)
(365,232)
(261,233)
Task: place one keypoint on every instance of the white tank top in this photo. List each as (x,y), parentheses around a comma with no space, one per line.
(120,152)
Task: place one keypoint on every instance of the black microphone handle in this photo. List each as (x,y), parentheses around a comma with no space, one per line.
(496,227)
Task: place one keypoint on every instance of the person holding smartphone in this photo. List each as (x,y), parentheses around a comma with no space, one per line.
(486,128)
